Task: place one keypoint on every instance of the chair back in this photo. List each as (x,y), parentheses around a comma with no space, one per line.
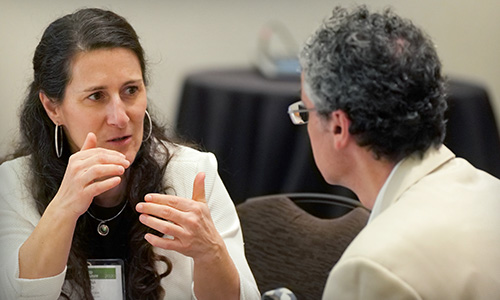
(286,246)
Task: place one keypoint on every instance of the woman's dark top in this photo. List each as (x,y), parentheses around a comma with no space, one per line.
(116,243)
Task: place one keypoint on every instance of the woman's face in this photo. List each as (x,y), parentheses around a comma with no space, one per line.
(106,95)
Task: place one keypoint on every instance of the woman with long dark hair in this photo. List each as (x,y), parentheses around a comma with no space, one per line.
(96,185)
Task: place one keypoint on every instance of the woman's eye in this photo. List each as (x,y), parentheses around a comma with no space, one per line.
(95,96)
(131,90)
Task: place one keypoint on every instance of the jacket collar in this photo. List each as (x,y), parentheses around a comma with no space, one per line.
(406,173)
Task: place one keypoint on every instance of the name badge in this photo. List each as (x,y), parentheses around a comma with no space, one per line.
(107,279)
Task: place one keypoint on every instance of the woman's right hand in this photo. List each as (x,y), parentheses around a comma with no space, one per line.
(90,172)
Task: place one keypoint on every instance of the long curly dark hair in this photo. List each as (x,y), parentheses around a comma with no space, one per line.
(382,71)
(86,30)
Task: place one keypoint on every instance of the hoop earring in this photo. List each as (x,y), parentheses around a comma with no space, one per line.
(150,127)
(59,150)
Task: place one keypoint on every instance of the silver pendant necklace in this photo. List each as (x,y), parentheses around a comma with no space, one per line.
(102,228)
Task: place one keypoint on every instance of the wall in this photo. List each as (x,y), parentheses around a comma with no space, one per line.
(184,36)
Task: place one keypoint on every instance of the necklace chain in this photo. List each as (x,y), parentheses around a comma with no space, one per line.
(102,228)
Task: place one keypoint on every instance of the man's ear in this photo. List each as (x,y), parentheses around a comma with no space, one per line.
(51,108)
(340,122)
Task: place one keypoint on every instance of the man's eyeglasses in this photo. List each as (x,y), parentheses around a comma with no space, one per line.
(299,114)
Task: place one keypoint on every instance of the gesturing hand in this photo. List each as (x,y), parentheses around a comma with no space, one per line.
(90,172)
(186,222)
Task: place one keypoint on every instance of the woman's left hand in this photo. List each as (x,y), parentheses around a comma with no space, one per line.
(186,222)
(191,231)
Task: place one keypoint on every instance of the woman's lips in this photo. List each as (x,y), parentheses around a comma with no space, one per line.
(122,140)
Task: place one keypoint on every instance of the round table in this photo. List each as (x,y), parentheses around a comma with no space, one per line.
(241,117)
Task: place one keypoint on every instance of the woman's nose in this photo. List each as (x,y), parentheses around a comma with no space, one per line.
(117,113)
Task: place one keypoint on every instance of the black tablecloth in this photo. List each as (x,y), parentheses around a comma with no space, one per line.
(242,118)
(472,131)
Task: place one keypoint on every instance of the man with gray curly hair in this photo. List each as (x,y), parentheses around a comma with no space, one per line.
(373,99)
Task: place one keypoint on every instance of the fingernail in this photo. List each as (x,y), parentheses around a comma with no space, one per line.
(148,198)
(139,207)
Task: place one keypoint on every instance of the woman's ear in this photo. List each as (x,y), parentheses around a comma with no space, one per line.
(51,108)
